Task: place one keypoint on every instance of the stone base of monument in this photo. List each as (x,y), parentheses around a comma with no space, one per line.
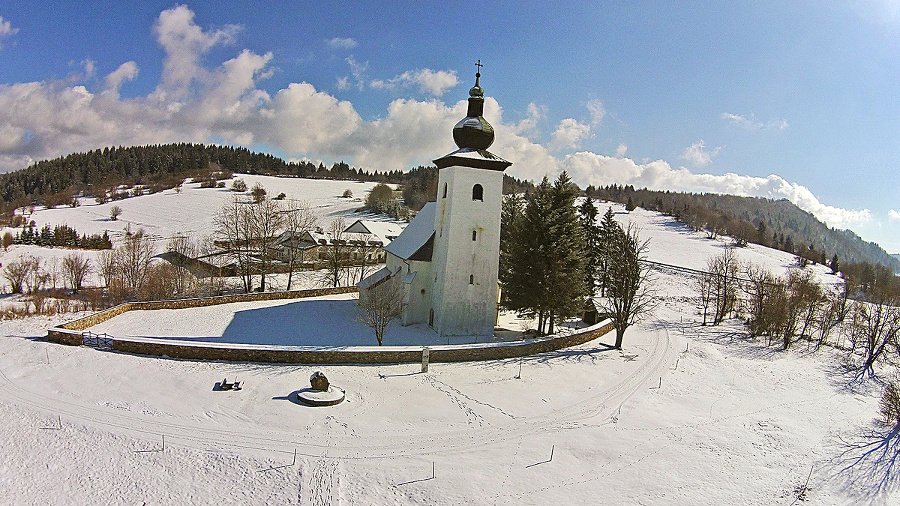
(313,397)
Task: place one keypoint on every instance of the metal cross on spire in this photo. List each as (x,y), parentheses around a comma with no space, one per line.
(479,65)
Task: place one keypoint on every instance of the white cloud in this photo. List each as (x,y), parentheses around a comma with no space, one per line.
(342,43)
(752,124)
(428,81)
(568,134)
(126,72)
(894,215)
(590,168)
(528,125)
(595,107)
(192,103)
(698,155)
(184,43)
(358,70)
(6,30)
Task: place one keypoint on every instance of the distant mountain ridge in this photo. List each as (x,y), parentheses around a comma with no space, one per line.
(776,223)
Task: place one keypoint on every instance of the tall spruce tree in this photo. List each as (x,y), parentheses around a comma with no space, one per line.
(566,252)
(608,230)
(542,254)
(588,219)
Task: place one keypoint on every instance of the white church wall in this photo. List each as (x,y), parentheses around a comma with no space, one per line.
(466,265)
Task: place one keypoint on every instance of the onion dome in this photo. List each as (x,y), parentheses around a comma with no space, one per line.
(473,131)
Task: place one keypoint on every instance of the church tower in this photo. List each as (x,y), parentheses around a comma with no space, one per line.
(466,255)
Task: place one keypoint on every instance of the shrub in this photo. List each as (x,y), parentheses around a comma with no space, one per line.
(889,406)
(239,186)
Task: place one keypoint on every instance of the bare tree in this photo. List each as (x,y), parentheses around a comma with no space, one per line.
(34,279)
(258,193)
(723,273)
(235,228)
(115,212)
(7,240)
(704,282)
(629,297)
(364,248)
(108,265)
(75,268)
(298,219)
(380,304)
(185,250)
(835,311)
(266,221)
(135,255)
(17,271)
(876,329)
(335,254)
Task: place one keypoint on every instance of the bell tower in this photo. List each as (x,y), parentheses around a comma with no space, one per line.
(466,255)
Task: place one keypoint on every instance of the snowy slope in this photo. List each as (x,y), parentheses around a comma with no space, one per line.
(684,414)
(192,210)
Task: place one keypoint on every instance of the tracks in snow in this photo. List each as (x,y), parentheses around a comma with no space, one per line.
(588,411)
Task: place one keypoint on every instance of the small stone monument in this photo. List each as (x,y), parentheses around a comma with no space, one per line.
(319,381)
(321,392)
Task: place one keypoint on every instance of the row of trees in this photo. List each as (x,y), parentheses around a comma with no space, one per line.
(785,309)
(62,236)
(778,224)
(554,255)
(101,173)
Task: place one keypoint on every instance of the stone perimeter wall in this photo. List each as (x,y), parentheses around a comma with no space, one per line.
(70,333)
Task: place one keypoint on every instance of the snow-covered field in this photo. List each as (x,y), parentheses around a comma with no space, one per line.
(682,415)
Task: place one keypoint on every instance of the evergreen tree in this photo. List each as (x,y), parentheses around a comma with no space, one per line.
(565,253)
(608,230)
(527,244)
(542,259)
(590,230)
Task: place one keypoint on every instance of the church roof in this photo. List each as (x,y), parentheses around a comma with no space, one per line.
(416,235)
(385,231)
(476,158)
(473,135)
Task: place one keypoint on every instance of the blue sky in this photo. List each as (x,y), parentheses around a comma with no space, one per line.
(796,100)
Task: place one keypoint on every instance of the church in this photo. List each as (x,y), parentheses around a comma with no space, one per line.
(448,257)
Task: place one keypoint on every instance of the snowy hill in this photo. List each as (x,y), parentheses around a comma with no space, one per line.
(684,414)
(192,210)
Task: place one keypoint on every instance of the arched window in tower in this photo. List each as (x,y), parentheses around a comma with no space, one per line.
(445,190)
(474,235)
(478,193)
(471,279)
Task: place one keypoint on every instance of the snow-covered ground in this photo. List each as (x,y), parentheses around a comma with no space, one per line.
(684,414)
(330,321)
(191,210)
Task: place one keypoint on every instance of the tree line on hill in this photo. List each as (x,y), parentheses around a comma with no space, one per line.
(102,173)
(777,224)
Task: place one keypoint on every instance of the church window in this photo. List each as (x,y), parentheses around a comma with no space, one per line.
(474,235)
(478,193)
(431,317)
(445,190)
(471,279)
